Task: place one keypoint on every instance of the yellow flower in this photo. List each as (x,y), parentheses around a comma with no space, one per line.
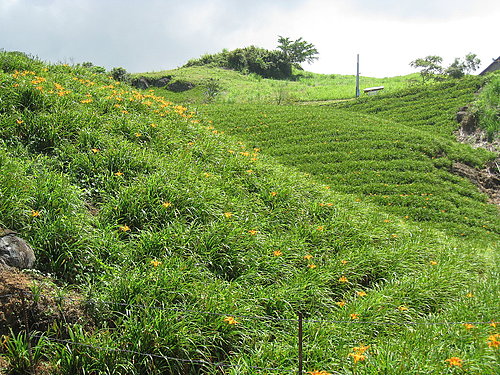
(124,228)
(354,316)
(84,101)
(343,261)
(469,326)
(19,121)
(433,262)
(454,361)
(315,372)
(95,150)
(357,357)
(402,308)
(253,232)
(343,279)
(35,213)
(230,320)
(341,303)
(228,214)
(273,193)
(470,295)
(118,174)
(361,293)
(321,227)
(308,257)
(493,324)
(312,266)
(277,253)
(249,171)
(155,263)
(166,204)
(138,135)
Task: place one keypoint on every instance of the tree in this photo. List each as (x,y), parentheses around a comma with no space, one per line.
(429,66)
(297,51)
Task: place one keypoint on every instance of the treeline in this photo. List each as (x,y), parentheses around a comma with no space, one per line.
(266,63)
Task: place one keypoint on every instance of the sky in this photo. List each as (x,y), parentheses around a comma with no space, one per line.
(155,35)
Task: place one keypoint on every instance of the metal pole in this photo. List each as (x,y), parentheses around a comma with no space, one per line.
(357,78)
(300,344)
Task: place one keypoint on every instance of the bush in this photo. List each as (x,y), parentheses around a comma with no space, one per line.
(487,106)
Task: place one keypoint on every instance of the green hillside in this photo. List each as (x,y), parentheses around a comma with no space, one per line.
(235,87)
(195,250)
(397,154)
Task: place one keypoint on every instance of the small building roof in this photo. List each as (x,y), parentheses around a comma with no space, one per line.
(495,65)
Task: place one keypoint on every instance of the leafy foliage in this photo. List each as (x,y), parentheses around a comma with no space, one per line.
(297,51)
(487,106)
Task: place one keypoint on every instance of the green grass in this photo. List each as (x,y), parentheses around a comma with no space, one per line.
(241,88)
(146,205)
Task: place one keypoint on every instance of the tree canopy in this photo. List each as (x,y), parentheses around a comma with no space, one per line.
(297,51)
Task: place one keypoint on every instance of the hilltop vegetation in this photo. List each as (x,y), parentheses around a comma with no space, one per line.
(195,250)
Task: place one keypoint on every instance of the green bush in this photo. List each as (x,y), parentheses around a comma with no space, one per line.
(487,106)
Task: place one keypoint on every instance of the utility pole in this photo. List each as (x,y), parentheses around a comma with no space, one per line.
(357,79)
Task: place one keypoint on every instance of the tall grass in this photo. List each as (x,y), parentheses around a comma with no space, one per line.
(176,227)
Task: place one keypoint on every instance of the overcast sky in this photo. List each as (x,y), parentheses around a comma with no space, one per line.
(153,35)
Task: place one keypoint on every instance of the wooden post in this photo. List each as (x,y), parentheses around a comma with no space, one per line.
(300,344)
(27,331)
(357,78)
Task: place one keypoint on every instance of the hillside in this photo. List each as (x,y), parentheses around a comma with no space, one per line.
(235,87)
(396,151)
(194,251)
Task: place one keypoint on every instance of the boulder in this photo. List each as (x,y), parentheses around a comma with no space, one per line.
(14,251)
(180,86)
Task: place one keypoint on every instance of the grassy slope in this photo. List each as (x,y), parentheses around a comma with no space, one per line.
(240,88)
(102,180)
(398,159)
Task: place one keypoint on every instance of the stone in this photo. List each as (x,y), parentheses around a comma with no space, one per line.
(14,251)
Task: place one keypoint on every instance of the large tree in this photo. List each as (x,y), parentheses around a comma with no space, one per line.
(297,51)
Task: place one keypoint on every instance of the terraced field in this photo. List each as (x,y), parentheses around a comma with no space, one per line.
(396,151)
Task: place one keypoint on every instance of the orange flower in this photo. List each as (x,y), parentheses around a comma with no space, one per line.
(454,361)
(315,372)
(493,341)
(95,150)
(124,228)
(354,316)
(308,257)
(273,193)
(321,227)
(360,349)
(343,261)
(35,213)
(311,266)
(433,262)
(343,279)
(19,121)
(230,320)
(340,303)
(277,253)
(118,173)
(470,295)
(402,308)
(361,293)
(469,326)
(166,204)
(253,232)
(357,357)
(227,215)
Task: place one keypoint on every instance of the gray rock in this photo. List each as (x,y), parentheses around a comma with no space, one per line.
(14,251)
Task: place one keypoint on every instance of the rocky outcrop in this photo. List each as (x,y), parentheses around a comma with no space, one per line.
(144,83)
(14,251)
(147,82)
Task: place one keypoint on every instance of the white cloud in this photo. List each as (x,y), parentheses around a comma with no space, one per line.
(144,35)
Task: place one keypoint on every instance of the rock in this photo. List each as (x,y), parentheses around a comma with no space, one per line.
(14,251)
(146,82)
(180,86)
